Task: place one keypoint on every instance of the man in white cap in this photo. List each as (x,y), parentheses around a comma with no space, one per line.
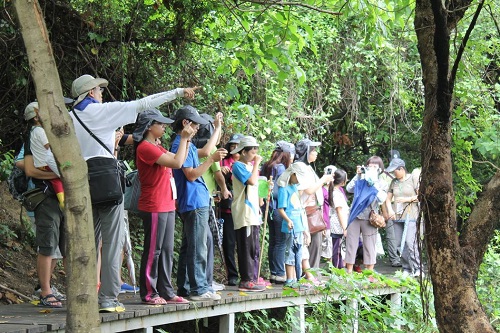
(102,119)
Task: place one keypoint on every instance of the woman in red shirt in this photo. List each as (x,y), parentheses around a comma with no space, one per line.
(157,204)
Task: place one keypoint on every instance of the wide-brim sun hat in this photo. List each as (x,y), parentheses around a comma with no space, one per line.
(299,169)
(29,111)
(85,83)
(189,112)
(285,147)
(302,149)
(144,121)
(246,141)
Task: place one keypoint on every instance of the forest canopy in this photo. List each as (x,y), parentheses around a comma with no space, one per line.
(345,73)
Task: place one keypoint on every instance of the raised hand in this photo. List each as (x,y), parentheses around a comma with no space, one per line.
(190,92)
(219,154)
(188,131)
(218,120)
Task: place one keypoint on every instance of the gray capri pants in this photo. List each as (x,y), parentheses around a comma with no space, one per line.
(369,232)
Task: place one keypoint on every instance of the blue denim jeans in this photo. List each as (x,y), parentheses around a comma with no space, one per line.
(193,253)
(276,249)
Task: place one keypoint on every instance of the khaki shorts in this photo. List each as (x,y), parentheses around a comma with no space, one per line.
(49,221)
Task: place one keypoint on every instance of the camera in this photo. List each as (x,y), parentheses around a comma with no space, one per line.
(362,169)
(329,171)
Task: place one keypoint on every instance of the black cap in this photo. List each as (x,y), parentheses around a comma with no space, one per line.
(190,113)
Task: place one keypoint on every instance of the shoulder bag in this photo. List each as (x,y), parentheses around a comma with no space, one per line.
(106,176)
(315,219)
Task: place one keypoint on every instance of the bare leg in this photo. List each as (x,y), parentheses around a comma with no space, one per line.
(44,270)
(290,272)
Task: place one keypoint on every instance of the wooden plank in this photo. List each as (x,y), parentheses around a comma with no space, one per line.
(18,328)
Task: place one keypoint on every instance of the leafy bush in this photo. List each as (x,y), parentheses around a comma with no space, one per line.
(488,284)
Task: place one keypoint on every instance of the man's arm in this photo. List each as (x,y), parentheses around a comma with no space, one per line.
(31,171)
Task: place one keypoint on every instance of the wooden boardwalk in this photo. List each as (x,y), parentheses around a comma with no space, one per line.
(27,318)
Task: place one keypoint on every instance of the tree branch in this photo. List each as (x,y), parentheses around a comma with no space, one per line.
(483,220)
(487,162)
(461,49)
(292,4)
(456,11)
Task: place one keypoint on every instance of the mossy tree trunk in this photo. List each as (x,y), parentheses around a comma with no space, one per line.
(80,266)
(454,259)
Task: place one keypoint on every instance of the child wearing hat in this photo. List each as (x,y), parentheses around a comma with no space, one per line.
(39,146)
(245,210)
(290,209)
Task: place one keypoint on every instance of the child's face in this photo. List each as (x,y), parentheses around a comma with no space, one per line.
(293,179)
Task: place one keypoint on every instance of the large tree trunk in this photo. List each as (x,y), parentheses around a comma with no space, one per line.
(80,266)
(453,264)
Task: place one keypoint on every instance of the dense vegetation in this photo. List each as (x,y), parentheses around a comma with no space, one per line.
(347,74)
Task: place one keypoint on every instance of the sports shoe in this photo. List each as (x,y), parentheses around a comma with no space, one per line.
(111,306)
(208,296)
(296,286)
(218,286)
(57,294)
(127,288)
(232,282)
(250,286)
(278,279)
(416,274)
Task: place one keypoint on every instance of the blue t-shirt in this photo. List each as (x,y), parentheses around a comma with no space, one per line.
(190,195)
(289,200)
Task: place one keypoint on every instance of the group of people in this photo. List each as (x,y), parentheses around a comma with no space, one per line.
(185,179)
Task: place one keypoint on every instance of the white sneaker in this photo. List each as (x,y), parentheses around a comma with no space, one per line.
(405,274)
(218,286)
(208,296)
(417,274)
(57,294)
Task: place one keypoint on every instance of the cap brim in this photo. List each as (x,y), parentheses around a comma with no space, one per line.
(68,100)
(100,82)
(198,120)
(391,169)
(162,119)
(236,150)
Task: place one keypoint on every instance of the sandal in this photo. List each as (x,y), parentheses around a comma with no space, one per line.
(47,303)
(155,301)
(177,300)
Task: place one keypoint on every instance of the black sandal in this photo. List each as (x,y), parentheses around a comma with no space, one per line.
(44,302)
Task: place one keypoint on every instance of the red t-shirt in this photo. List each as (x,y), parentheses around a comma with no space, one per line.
(156,191)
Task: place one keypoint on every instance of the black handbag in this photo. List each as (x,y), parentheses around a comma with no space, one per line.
(106,175)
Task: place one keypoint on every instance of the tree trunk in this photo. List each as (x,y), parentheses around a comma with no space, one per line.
(80,262)
(451,265)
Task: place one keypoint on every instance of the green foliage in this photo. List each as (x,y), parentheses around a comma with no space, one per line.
(488,284)
(374,313)
(262,321)
(6,164)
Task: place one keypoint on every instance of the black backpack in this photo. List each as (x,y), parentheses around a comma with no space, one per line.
(18,183)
